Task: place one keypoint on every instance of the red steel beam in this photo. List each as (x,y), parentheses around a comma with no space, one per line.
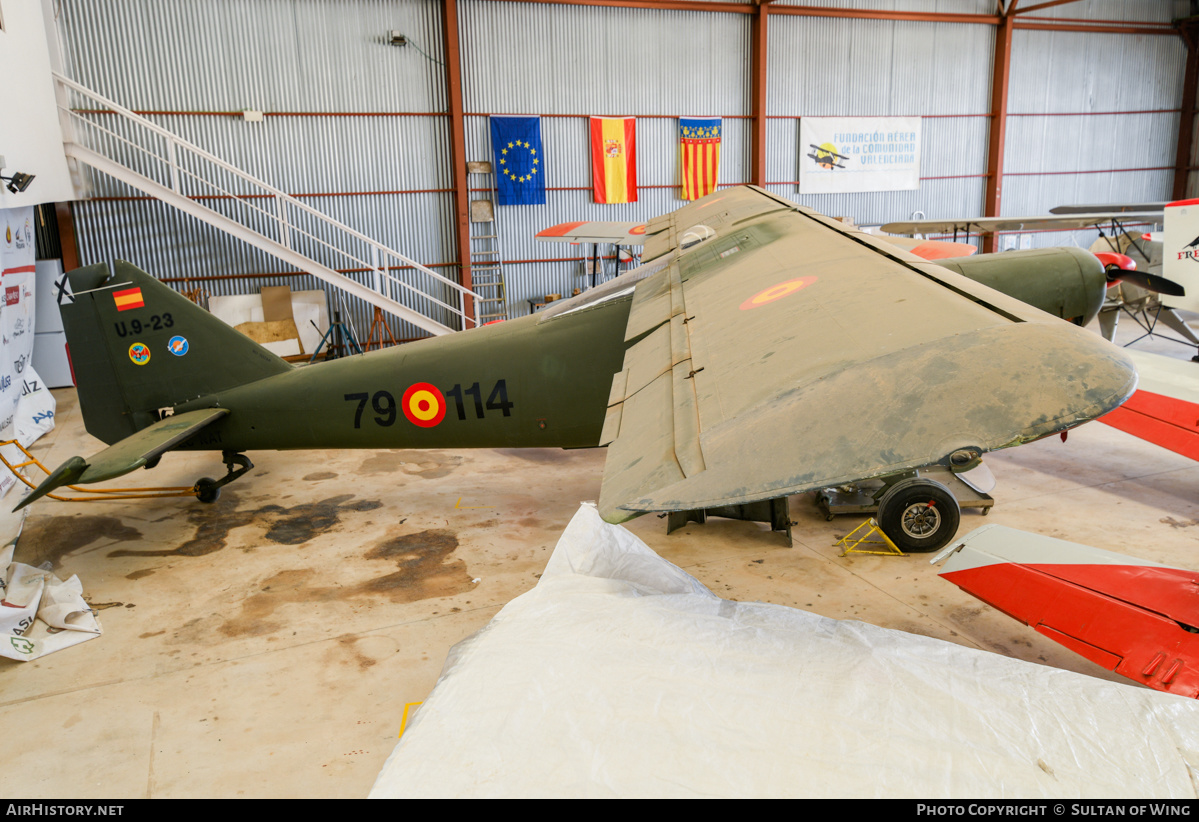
(66,236)
(865,14)
(1186,122)
(453,81)
(759,38)
(1099,29)
(995,145)
(670,5)
(1103,26)
(1026,9)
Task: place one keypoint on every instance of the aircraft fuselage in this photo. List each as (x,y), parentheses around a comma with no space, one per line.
(516,384)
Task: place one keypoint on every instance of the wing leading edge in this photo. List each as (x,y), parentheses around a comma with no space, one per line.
(782,351)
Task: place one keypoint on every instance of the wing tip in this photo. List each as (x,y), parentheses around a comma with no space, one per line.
(65,474)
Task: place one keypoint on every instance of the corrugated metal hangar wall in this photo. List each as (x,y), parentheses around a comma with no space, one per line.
(360,128)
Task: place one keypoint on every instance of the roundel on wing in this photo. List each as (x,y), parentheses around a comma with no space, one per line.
(777,292)
(423,405)
(637,229)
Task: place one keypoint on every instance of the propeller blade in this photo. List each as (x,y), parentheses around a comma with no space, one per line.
(1149,282)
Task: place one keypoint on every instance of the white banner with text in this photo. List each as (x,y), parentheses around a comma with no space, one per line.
(841,155)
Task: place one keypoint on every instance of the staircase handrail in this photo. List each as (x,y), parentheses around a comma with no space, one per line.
(174,142)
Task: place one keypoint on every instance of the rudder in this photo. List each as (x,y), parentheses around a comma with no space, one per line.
(137,346)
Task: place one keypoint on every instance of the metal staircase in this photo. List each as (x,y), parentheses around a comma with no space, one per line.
(153,160)
(486,262)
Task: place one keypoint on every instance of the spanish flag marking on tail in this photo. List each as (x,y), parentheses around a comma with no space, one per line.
(129,298)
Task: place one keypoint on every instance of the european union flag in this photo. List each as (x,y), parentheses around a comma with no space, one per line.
(519,160)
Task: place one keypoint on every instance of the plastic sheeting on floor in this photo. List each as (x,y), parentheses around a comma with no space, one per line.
(39,613)
(620,675)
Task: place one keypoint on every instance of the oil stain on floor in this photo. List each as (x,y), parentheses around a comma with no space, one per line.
(284,526)
(426,569)
(51,538)
(424,464)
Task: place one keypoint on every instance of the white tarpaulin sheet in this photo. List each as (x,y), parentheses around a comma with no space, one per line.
(39,613)
(620,675)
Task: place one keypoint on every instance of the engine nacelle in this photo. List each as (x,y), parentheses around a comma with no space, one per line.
(1066,282)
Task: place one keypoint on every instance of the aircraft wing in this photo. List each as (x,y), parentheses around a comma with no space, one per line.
(1165,408)
(1131,616)
(594,231)
(1047,222)
(787,351)
(1158,208)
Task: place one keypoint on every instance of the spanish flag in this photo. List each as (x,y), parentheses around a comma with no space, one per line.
(699,153)
(614,159)
(127,299)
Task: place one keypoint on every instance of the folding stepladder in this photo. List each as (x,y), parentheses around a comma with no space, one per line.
(486,262)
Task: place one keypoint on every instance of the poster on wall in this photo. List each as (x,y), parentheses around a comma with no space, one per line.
(26,406)
(840,155)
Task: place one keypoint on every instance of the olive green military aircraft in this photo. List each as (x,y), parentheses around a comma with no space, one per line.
(761,350)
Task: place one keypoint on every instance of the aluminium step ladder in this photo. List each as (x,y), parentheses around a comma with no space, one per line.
(486,262)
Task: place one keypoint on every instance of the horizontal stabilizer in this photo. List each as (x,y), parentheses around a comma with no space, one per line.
(129,454)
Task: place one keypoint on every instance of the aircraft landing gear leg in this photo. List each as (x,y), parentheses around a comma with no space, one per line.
(209,490)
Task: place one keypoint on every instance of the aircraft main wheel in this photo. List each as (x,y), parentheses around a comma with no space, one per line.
(919,515)
(207,490)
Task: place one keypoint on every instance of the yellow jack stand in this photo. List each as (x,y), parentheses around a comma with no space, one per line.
(852,547)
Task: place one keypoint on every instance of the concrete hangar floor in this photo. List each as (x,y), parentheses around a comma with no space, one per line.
(266,645)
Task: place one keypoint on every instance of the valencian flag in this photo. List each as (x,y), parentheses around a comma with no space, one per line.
(699,148)
(614,159)
(519,160)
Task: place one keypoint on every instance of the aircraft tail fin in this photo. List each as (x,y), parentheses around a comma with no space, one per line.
(137,346)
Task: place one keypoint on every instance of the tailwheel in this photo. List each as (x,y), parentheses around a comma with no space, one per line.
(919,515)
(209,490)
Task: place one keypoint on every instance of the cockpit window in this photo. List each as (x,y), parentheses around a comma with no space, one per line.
(695,235)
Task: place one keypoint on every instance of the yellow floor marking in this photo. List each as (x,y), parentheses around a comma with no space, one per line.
(404,721)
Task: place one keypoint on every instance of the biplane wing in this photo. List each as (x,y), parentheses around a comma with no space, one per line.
(1155,207)
(1047,222)
(775,350)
